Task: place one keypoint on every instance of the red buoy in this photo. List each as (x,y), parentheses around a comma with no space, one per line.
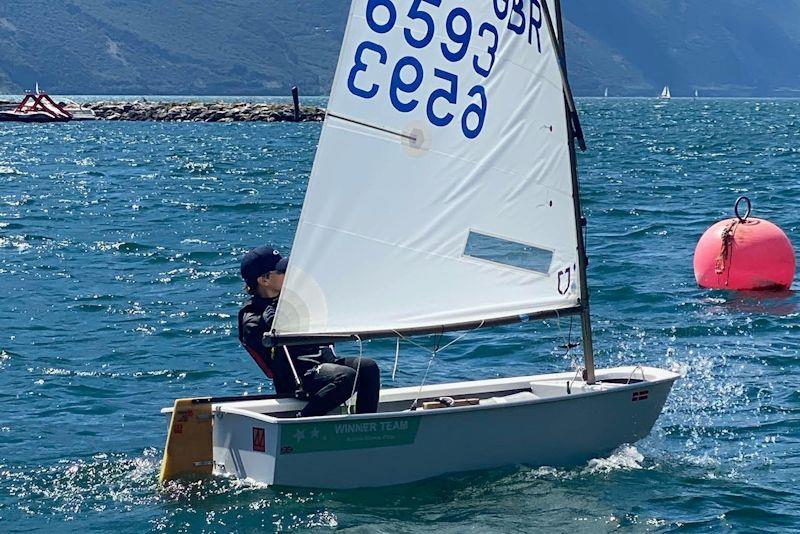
(744,253)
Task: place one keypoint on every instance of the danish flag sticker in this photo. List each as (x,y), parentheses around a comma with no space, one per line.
(259,441)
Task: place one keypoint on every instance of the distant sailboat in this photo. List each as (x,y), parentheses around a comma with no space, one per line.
(665,94)
(695,93)
(606,93)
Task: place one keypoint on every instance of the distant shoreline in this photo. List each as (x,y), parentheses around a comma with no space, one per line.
(199,111)
(321,100)
(186,110)
(257,109)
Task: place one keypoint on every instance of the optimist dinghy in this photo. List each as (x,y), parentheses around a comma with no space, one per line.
(444,197)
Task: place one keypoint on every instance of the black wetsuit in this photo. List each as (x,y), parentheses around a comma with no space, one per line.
(327,379)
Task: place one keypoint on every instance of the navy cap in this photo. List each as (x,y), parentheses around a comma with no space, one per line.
(282,264)
(258,261)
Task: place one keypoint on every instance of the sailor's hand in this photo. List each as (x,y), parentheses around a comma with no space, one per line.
(268,316)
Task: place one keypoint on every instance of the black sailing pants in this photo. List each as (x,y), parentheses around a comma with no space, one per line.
(330,384)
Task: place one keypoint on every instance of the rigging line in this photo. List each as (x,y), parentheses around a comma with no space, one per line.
(558,324)
(411,138)
(568,344)
(562,68)
(571,345)
(404,338)
(358,368)
(422,384)
(435,351)
(585,225)
(426,349)
(566,339)
(396,359)
(462,335)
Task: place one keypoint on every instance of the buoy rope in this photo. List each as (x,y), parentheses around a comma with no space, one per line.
(728,234)
(726,252)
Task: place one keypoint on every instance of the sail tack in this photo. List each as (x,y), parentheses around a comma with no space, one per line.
(441,192)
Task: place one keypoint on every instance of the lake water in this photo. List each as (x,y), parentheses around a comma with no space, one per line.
(119,253)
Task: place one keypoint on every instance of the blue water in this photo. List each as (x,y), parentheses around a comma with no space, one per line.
(119,250)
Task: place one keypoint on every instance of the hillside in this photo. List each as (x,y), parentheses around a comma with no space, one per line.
(256,47)
(720,47)
(171,47)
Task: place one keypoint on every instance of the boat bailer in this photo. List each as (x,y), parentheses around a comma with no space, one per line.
(439,219)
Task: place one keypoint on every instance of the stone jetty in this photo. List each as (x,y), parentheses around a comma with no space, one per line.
(143,110)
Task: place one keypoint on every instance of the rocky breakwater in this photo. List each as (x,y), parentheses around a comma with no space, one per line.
(142,110)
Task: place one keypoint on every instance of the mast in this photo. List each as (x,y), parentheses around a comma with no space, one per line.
(580,221)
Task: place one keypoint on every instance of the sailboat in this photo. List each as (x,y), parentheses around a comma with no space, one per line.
(605,94)
(665,94)
(428,213)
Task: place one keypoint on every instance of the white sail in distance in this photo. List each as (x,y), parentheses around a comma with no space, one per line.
(441,193)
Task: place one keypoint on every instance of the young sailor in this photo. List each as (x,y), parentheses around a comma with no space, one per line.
(326,379)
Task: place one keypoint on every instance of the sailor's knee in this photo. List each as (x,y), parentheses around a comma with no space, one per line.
(369,367)
(345,375)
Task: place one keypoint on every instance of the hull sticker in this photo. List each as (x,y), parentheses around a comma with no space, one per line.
(343,435)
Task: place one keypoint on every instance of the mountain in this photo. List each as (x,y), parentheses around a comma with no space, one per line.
(255,47)
(719,47)
(244,47)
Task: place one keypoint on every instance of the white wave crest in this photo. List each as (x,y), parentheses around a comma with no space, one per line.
(625,457)
(5,169)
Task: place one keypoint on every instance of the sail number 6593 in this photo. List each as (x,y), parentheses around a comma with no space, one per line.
(408,74)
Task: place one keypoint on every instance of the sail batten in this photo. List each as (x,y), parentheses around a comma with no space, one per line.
(443,123)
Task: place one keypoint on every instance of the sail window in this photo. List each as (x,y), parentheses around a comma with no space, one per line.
(506,252)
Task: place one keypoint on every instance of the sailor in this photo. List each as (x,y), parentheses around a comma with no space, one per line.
(308,371)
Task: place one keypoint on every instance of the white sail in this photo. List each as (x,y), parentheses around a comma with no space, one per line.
(665,94)
(441,192)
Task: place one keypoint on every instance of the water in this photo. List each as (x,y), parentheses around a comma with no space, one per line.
(119,250)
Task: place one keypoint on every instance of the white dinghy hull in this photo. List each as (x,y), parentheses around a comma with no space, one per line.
(525,420)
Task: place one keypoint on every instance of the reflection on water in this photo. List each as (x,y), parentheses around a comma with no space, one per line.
(778,303)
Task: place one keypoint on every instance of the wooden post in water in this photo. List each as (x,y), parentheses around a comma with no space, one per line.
(296,98)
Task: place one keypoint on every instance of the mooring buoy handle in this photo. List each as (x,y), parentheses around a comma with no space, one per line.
(736,208)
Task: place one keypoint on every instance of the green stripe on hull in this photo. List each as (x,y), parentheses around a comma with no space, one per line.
(343,435)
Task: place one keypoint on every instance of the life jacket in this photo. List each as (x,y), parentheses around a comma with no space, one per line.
(261,359)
